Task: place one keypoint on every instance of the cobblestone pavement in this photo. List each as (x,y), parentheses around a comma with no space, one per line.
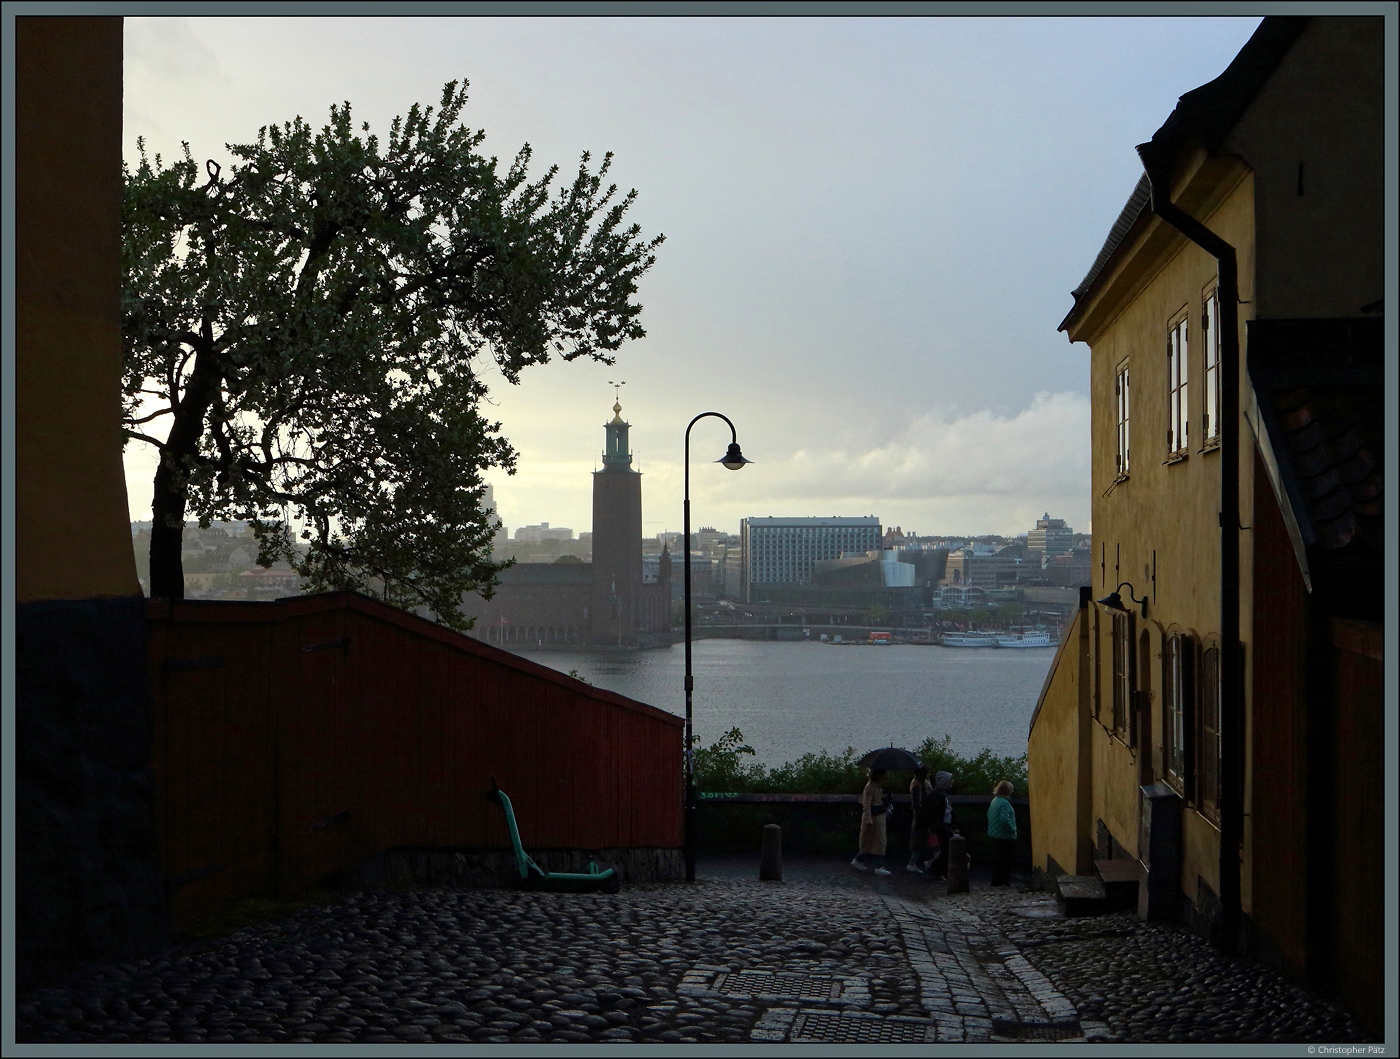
(830,955)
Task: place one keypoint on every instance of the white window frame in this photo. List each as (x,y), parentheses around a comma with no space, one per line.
(1207,735)
(1122,410)
(1178,403)
(1210,331)
(1178,691)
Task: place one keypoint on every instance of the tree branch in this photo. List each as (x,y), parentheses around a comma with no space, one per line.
(153,415)
(136,435)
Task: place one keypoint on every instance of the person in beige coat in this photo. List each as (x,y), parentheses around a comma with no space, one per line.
(874,816)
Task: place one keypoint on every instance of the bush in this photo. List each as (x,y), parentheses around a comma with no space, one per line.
(720,768)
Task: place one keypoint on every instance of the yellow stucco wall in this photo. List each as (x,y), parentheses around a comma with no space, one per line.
(1053,758)
(1308,244)
(1158,528)
(72,535)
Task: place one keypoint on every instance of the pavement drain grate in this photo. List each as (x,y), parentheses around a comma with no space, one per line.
(1010,1030)
(858,1027)
(779,984)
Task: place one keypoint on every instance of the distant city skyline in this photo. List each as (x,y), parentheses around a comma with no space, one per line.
(873,225)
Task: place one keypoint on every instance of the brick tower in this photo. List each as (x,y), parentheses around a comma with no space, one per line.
(615,610)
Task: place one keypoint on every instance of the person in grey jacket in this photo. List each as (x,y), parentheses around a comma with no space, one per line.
(1001,829)
(938,811)
(920,787)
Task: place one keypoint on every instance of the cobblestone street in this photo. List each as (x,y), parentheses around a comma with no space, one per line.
(829,955)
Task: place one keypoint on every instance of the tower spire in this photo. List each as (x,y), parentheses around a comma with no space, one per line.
(616,456)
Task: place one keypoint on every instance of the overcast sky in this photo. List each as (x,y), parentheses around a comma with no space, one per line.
(872,229)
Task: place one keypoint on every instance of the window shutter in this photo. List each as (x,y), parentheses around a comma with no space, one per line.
(1189,698)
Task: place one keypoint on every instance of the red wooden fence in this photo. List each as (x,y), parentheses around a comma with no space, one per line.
(296,738)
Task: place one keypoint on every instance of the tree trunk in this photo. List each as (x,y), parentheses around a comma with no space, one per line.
(171,496)
(167,566)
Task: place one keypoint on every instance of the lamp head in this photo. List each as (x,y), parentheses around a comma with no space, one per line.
(734,459)
(1113,601)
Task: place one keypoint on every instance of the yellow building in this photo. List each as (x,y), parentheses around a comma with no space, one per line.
(1235,327)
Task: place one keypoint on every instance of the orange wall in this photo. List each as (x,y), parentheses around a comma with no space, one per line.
(73,538)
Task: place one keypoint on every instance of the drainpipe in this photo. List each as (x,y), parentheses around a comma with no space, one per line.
(1231,682)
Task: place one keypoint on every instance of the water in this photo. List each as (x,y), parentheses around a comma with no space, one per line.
(790,699)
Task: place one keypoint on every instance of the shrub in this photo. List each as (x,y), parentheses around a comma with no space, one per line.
(720,768)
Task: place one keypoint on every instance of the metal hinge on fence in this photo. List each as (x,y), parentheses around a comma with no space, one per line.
(195,663)
(343,642)
(192,875)
(321,825)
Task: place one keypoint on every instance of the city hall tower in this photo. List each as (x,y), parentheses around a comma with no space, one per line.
(615,612)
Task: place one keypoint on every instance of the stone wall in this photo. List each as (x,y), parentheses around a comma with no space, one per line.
(88,884)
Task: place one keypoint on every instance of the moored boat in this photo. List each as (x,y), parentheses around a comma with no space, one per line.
(968,639)
(1026,640)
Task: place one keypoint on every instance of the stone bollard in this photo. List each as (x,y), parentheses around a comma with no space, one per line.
(958,863)
(770,866)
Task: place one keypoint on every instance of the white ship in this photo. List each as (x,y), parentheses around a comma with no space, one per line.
(968,639)
(998,639)
(1034,639)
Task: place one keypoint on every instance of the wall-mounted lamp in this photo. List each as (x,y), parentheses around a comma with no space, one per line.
(1113,601)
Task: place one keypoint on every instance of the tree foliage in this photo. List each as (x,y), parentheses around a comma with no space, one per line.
(315,328)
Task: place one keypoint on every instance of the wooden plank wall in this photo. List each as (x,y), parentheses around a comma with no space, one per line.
(1358,818)
(1278,820)
(296,738)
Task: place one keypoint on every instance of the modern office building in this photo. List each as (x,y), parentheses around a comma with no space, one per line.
(986,566)
(783,551)
(1051,537)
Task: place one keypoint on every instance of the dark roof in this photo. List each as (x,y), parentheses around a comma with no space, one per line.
(1204,115)
(1137,202)
(1320,387)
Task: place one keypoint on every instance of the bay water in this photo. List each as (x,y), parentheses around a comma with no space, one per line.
(794,698)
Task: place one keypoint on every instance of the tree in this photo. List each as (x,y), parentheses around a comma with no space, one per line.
(314,327)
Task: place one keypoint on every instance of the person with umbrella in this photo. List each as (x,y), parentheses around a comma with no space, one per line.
(876,806)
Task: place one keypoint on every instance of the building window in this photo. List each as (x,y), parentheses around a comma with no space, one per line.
(1122,672)
(1208,736)
(1178,684)
(1120,397)
(1210,328)
(1177,432)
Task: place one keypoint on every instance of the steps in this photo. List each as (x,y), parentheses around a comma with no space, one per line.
(1120,879)
(1112,888)
(1081,895)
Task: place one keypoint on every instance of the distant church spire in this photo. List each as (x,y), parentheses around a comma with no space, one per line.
(616,456)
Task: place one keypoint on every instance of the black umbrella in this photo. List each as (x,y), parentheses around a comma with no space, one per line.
(891,759)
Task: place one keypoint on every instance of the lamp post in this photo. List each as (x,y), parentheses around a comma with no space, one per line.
(734,460)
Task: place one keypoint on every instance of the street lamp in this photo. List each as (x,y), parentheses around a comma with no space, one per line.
(734,460)
(1113,601)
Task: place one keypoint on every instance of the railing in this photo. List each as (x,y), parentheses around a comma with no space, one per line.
(732,822)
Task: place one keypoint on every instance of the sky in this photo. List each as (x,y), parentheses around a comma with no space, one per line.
(872,229)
